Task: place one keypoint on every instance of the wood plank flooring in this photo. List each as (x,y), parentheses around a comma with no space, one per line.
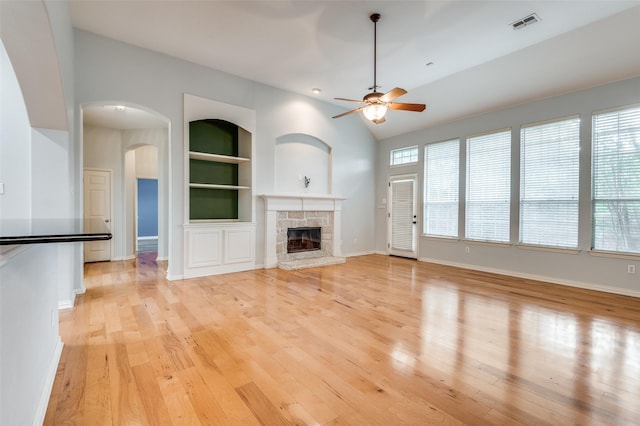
(376,341)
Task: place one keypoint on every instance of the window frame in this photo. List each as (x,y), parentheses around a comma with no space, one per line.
(468,162)
(425,188)
(523,128)
(594,187)
(413,147)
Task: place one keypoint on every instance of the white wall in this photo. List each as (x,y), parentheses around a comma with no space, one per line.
(52,190)
(15,145)
(299,156)
(29,342)
(146,162)
(582,269)
(107,70)
(35,167)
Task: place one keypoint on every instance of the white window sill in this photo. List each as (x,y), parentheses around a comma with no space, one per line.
(488,243)
(614,254)
(440,238)
(550,249)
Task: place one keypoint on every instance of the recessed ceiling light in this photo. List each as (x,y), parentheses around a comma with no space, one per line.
(316,90)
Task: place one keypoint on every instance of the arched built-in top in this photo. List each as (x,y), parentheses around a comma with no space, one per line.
(302,165)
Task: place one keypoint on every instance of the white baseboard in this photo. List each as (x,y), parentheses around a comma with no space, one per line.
(65,304)
(362,253)
(70,303)
(172,277)
(161,259)
(552,280)
(41,411)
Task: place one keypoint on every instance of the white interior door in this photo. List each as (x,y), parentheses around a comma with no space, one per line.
(402,216)
(97,205)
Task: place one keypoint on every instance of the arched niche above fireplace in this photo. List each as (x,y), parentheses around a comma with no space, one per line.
(298,157)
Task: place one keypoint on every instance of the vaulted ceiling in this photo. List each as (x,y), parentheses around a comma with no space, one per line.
(477,61)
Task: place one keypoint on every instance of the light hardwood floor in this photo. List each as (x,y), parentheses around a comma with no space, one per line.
(378,340)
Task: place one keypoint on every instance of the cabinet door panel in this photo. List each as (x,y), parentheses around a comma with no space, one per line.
(238,246)
(203,248)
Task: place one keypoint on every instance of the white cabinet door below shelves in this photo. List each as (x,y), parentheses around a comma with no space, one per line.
(214,249)
(203,248)
(238,245)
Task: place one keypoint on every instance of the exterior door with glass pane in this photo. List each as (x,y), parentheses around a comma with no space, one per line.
(402,216)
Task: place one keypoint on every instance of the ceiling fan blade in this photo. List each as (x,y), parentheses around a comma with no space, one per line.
(406,107)
(348,112)
(349,100)
(392,94)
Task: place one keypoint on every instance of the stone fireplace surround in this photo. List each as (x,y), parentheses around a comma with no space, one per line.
(288,211)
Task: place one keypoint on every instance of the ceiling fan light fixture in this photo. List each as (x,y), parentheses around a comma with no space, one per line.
(375,112)
(375,104)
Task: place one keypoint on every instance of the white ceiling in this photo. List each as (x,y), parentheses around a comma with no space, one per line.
(121,117)
(479,62)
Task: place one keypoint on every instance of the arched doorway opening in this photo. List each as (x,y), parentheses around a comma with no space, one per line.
(131,142)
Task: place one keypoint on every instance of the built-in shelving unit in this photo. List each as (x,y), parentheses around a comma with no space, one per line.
(219,232)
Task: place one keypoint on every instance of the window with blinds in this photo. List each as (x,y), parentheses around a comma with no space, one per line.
(404,156)
(549,183)
(488,186)
(441,167)
(616,180)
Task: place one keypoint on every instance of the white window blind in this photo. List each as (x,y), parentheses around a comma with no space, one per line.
(488,187)
(441,166)
(404,156)
(549,183)
(616,180)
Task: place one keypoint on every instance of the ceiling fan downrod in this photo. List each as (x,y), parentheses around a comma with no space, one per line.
(375,17)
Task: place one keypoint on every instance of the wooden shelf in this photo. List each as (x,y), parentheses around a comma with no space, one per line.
(212,186)
(217,158)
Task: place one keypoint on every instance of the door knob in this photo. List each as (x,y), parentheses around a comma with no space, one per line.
(107,221)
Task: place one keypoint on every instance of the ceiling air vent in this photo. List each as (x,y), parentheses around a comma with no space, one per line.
(527,20)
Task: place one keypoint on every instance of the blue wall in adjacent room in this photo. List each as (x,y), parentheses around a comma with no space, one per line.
(147,207)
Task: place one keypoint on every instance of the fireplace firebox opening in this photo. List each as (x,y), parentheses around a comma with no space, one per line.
(303,239)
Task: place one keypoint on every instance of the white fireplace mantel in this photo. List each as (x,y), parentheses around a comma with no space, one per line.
(273,203)
(302,202)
